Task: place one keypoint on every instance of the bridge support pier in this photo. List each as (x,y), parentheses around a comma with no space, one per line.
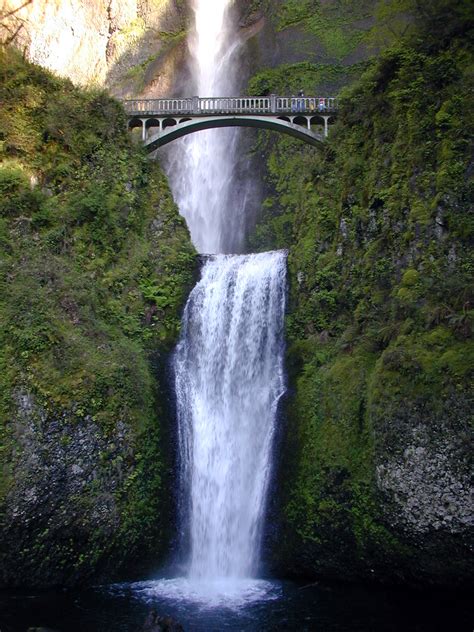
(143,129)
(326,126)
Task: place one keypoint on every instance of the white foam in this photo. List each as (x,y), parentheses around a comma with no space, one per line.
(234,594)
(229,379)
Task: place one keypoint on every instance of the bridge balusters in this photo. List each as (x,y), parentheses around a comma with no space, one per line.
(246,104)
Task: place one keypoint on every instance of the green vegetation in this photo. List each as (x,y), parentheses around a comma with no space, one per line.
(379,228)
(338,26)
(95,265)
(312,78)
(138,73)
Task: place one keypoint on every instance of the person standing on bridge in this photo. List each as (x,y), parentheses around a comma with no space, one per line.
(301,101)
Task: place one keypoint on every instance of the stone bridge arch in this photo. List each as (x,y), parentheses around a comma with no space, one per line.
(164,120)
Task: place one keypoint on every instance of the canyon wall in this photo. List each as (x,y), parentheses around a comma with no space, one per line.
(138,48)
(106,43)
(95,267)
(376,466)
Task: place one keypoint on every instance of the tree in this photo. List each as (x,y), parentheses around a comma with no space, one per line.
(10,21)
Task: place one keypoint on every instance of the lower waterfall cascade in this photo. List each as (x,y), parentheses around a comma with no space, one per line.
(229,378)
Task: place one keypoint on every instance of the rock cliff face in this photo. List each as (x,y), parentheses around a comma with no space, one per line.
(108,42)
(139,48)
(95,267)
(288,32)
(376,471)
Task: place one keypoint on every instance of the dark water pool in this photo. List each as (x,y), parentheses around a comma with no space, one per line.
(258,606)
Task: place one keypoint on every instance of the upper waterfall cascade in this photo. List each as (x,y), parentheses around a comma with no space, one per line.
(202,167)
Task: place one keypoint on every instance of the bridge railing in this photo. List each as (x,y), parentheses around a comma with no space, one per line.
(306,104)
(158,106)
(234,105)
(229,105)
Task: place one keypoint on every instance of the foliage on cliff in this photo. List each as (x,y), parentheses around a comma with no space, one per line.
(338,26)
(380,230)
(95,263)
(318,47)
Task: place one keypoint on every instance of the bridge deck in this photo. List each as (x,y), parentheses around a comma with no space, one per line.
(196,106)
(164,120)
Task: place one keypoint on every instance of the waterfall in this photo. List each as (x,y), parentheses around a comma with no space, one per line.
(229,378)
(228,364)
(202,167)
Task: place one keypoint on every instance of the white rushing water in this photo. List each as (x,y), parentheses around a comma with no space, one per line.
(229,378)
(228,364)
(202,167)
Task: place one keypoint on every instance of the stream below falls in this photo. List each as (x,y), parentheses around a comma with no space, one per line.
(274,606)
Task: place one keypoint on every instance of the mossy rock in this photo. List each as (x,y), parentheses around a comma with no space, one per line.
(95,266)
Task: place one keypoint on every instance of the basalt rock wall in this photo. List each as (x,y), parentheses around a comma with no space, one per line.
(95,267)
(105,43)
(375,472)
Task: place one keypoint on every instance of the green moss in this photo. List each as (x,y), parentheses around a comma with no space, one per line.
(95,265)
(138,73)
(378,227)
(312,78)
(336,25)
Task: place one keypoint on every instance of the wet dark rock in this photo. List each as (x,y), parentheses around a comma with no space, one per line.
(155,623)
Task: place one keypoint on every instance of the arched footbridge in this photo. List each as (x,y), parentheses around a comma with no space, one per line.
(164,120)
